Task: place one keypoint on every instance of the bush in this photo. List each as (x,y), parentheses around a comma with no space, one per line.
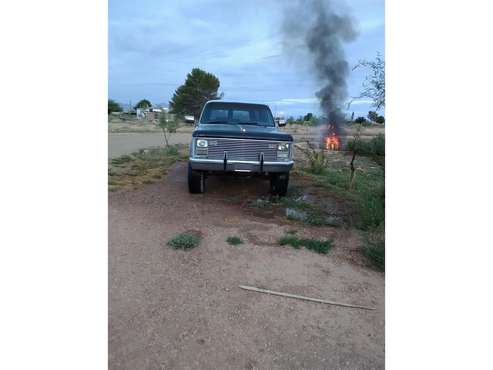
(375,247)
(378,145)
(380,119)
(360,147)
(184,241)
(171,150)
(234,240)
(370,148)
(319,246)
(317,159)
(370,208)
(361,120)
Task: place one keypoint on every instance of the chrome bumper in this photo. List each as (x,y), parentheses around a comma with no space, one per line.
(218,165)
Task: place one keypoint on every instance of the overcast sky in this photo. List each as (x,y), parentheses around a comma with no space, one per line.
(153,45)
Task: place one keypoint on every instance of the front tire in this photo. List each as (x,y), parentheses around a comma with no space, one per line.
(279,183)
(196,181)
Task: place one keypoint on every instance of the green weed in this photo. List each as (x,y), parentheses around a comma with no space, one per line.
(319,246)
(234,240)
(184,241)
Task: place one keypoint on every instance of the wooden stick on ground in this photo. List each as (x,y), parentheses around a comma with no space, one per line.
(301,297)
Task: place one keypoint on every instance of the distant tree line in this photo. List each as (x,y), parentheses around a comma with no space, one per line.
(372,117)
(310,119)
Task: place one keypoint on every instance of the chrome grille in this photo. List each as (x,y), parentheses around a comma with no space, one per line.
(242,149)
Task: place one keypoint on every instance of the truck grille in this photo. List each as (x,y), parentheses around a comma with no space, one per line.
(242,149)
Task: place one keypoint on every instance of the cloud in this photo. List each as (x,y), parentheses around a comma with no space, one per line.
(154,45)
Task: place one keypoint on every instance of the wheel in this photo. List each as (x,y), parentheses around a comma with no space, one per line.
(196,181)
(279,183)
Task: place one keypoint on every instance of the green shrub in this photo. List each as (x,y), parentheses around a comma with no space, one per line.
(375,247)
(234,240)
(184,241)
(319,246)
(368,148)
(171,150)
(361,120)
(370,209)
(290,240)
(360,147)
(380,119)
(378,145)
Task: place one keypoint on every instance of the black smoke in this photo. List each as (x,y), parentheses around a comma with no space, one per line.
(315,31)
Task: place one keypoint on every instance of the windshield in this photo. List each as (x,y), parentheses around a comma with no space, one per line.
(237,113)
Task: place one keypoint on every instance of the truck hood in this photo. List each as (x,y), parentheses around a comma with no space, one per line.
(241,132)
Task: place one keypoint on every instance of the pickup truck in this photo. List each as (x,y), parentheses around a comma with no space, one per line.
(239,138)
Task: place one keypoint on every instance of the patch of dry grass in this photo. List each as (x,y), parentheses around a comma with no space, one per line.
(146,166)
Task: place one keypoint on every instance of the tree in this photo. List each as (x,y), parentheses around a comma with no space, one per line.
(374,84)
(308,117)
(372,116)
(199,87)
(113,106)
(360,120)
(168,126)
(380,119)
(144,103)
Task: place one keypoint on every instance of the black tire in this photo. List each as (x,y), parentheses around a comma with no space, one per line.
(196,181)
(279,183)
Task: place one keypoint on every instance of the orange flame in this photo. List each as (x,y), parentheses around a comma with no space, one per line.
(332,142)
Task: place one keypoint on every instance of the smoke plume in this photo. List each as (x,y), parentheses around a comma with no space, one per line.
(318,30)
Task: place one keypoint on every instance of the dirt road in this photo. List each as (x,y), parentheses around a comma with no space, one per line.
(126,143)
(172,309)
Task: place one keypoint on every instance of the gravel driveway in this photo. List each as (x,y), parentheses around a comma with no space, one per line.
(172,309)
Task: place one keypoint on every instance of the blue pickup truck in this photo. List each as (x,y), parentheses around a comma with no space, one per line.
(239,138)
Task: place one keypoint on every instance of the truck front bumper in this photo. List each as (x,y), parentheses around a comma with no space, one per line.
(217,165)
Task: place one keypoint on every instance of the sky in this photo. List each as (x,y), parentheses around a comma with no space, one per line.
(154,44)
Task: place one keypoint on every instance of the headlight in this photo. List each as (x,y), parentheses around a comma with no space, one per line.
(283,151)
(201,148)
(201,143)
(284,147)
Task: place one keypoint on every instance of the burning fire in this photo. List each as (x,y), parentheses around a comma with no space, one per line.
(332,142)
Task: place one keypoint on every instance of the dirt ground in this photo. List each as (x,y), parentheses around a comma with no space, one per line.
(173,309)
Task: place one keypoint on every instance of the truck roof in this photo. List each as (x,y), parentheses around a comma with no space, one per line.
(235,102)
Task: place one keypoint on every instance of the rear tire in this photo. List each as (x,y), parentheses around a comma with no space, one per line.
(279,183)
(196,181)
